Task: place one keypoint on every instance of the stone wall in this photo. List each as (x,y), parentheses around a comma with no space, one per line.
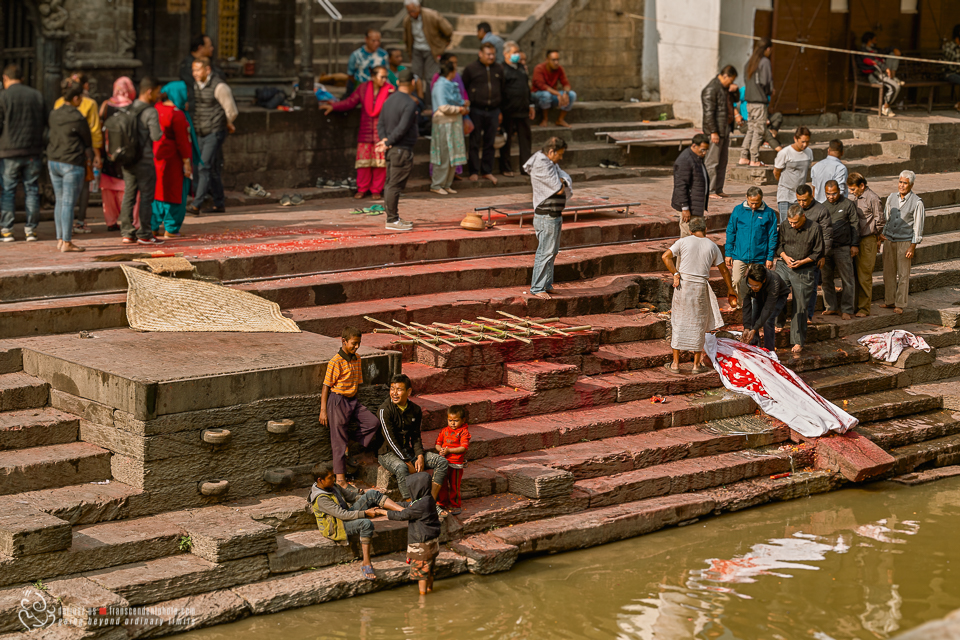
(289,149)
(601,48)
(99,41)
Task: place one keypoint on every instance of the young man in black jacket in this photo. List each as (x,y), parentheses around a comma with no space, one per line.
(765,296)
(483,79)
(718,119)
(23,117)
(691,183)
(402,451)
(517,109)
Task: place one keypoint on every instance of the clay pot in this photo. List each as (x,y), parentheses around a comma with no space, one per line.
(214,487)
(473,222)
(280,426)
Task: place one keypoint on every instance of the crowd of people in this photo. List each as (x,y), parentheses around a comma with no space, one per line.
(468,111)
(147,148)
(827,225)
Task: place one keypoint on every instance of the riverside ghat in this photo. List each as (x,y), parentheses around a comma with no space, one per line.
(163,476)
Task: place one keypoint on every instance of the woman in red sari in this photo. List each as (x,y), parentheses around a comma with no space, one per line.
(371,165)
(172,158)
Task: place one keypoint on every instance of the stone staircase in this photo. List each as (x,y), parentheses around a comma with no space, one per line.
(568,449)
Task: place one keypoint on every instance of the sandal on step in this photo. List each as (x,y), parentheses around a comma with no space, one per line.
(368,573)
(699,370)
(666,365)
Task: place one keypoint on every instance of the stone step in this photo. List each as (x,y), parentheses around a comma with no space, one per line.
(609,524)
(96,547)
(52,466)
(870,167)
(11,358)
(912,429)
(941,452)
(463,275)
(617,455)
(888,405)
(177,576)
(36,428)
(87,503)
(20,391)
(606,294)
(852,150)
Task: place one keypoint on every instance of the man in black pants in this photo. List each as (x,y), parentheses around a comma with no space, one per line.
(483,79)
(518,109)
(397,130)
(764,298)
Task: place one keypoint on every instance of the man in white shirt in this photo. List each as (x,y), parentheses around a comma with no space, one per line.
(790,169)
(830,168)
(551,188)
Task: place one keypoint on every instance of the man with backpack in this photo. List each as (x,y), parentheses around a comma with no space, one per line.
(131,133)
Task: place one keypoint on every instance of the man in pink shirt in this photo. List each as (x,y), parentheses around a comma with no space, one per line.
(552,89)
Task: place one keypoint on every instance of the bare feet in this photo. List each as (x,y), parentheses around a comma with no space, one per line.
(797,348)
(886,306)
(718,196)
(743,162)
(507,174)
(861,314)
(562,122)
(543,295)
(376,197)
(895,309)
(544,122)
(829,312)
(488,176)
(474,178)
(757,164)
(69,247)
(846,316)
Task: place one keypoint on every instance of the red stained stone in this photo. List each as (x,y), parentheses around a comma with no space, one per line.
(856,457)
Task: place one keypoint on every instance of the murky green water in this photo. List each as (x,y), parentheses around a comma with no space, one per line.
(860,563)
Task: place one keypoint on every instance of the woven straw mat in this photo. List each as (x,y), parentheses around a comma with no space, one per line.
(167,265)
(156,303)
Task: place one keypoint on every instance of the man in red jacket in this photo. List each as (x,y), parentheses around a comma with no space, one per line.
(552,89)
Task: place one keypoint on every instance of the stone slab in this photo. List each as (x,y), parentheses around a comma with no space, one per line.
(486,553)
(948,390)
(302,550)
(154,374)
(911,429)
(284,512)
(757,491)
(289,591)
(11,358)
(507,509)
(853,455)
(601,526)
(941,452)
(911,358)
(427,379)
(36,428)
(26,531)
(627,326)
(539,376)
(191,612)
(82,600)
(96,547)
(177,576)
(886,405)
(219,533)
(10,608)
(537,481)
(81,407)
(84,503)
(21,391)
(930,475)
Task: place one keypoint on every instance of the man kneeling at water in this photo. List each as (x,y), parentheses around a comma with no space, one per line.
(344,511)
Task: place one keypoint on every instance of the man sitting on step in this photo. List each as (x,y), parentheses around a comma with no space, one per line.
(402,451)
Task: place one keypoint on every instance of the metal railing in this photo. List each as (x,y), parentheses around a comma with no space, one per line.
(333,35)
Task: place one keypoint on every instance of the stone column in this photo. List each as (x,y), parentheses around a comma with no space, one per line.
(306,54)
(213,24)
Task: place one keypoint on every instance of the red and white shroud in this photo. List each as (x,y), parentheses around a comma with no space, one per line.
(780,392)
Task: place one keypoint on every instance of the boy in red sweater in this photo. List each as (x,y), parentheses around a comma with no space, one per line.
(452,444)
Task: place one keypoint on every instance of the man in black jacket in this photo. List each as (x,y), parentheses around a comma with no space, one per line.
(518,109)
(23,118)
(397,130)
(691,183)
(402,450)
(764,298)
(483,79)
(718,117)
(845,245)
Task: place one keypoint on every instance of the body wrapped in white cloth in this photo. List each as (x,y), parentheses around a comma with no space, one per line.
(780,392)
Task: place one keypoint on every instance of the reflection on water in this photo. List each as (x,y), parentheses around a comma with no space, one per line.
(860,563)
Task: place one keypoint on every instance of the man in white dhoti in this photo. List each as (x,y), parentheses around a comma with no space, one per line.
(695,310)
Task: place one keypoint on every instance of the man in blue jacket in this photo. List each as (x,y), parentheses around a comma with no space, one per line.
(751,237)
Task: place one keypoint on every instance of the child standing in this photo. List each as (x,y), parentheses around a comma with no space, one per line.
(339,405)
(423,530)
(452,444)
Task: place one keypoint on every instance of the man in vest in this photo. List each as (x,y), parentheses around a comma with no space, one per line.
(902,232)
(213,110)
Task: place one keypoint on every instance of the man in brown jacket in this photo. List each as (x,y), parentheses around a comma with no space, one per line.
(427,34)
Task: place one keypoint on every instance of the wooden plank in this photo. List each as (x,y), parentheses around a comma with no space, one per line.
(656,135)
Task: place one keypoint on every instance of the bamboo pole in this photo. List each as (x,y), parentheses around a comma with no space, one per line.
(508,334)
(416,339)
(516,327)
(449,333)
(479,335)
(409,328)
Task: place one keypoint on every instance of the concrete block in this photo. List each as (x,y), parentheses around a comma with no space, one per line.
(852,455)
(538,376)
(537,481)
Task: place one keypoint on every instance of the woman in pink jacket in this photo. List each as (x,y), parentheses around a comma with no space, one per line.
(371,165)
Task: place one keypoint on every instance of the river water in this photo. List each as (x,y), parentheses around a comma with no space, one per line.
(866,563)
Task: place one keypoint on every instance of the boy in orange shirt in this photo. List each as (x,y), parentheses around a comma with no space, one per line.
(452,444)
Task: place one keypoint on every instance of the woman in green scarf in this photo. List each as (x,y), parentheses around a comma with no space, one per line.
(173,157)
